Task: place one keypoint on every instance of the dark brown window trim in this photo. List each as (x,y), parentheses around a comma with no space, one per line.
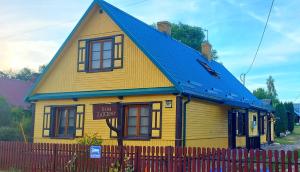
(117,56)
(138,117)
(159,127)
(76,113)
(101,41)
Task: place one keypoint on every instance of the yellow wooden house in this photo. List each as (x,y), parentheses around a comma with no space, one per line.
(113,67)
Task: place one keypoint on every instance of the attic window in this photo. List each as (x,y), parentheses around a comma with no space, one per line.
(208,69)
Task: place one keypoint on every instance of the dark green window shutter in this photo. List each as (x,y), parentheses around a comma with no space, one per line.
(46,121)
(118,51)
(80,110)
(81,58)
(156,118)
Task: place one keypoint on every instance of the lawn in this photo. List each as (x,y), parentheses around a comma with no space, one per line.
(290,139)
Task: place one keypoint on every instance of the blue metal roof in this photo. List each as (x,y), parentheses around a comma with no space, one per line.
(179,63)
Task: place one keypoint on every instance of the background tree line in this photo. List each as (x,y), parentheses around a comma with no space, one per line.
(15,122)
(284,111)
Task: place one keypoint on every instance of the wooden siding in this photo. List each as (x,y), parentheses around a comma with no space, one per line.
(263,139)
(241,141)
(207,124)
(100,127)
(138,71)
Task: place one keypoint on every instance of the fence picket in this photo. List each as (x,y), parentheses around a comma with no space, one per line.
(289,155)
(296,161)
(257,158)
(245,160)
(282,158)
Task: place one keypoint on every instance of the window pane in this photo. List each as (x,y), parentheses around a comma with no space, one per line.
(144,111)
(107,63)
(107,45)
(71,118)
(96,46)
(62,121)
(95,55)
(132,121)
(144,121)
(95,64)
(106,54)
(144,130)
(131,131)
(132,111)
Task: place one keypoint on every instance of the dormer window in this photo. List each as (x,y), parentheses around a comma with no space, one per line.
(101,55)
(208,69)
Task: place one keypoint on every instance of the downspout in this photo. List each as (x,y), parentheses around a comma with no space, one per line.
(184,120)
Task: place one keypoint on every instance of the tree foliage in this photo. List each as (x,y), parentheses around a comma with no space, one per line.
(271,87)
(284,112)
(24,74)
(10,120)
(281,124)
(192,36)
(261,93)
(290,115)
(5,113)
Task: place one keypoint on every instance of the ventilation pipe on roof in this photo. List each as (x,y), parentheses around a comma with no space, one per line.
(164,26)
(206,50)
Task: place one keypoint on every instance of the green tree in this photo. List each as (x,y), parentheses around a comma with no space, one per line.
(5,113)
(271,87)
(9,134)
(25,74)
(281,124)
(290,115)
(42,68)
(261,93)
(270,93)
(192,36)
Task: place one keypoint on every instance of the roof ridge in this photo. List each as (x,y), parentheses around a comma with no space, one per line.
(154,29)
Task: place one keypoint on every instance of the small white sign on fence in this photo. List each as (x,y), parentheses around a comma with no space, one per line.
(95,152)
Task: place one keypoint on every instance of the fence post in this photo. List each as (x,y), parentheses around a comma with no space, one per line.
(137,159)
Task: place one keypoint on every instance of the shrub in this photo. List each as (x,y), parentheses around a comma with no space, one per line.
(90,140)
(9,134)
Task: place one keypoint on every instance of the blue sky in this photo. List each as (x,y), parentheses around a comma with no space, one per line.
(31,32)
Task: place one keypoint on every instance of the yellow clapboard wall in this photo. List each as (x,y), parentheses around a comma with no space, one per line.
(99,126)
(138,71)
(207,124)
(241,141)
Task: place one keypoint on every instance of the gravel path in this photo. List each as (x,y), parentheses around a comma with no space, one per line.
(277,146)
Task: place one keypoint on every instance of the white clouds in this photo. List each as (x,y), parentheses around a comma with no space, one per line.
(18,54)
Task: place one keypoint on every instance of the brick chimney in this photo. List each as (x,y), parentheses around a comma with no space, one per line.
(206,50)
(164,26)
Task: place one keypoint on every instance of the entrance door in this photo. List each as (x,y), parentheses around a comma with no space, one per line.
(232,129)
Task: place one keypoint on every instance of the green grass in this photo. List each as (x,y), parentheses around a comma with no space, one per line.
(290,139)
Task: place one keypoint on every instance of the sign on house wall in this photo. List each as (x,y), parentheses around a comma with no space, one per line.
(105,111)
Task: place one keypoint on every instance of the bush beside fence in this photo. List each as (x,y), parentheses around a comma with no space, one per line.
(71,157)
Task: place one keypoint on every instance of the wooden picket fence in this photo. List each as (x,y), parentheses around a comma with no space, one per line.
(71,157)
